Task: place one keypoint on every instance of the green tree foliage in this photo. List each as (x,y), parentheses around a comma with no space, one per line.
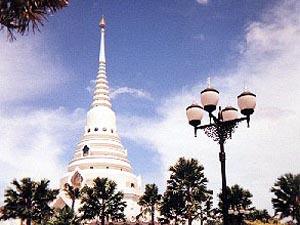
(102,201)
(216,217)
(172,207)
(22,15)
(207,212)
(29,201)
(64,216)
(187,178)
(287,196)
(72,192)
(259,215)
(150,199)
(237,198)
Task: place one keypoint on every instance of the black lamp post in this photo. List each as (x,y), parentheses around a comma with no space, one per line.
(222,127)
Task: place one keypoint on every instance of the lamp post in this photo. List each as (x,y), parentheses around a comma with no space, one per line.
(222,126)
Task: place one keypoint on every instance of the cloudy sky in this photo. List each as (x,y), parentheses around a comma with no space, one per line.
(159,55)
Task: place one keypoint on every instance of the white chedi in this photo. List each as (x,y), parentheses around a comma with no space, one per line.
(100,152)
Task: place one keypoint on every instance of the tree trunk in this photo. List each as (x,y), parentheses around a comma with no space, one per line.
(201,218)
(189,217)
(152,214)
(73,204)
(103,216)
(176,220)
(28,222)
(189,199)
(294,214)
(102,220)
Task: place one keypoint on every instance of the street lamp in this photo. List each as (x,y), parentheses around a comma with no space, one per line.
(223,125)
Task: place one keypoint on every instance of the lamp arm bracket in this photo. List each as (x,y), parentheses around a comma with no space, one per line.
(219,130)
(218,122)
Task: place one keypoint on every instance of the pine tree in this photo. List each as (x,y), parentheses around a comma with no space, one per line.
(259,215)
(287,196)
(64,216)
(101,201)
(207,212)
(187,177)
(28,201)
(172,207)
(237,198)
(21,16)
(150,199)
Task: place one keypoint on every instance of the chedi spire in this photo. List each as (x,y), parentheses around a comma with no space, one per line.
(101,92)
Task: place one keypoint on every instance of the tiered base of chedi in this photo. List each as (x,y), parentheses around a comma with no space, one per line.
(100,152)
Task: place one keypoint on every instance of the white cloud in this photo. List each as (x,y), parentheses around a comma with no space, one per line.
(91,87)
(116,92)
(138,93)
(27,69)
(269,63)
(202,2)
(34,142)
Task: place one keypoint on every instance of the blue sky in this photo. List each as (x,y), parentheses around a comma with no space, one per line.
(150,44)
(160,53)
(155,46)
